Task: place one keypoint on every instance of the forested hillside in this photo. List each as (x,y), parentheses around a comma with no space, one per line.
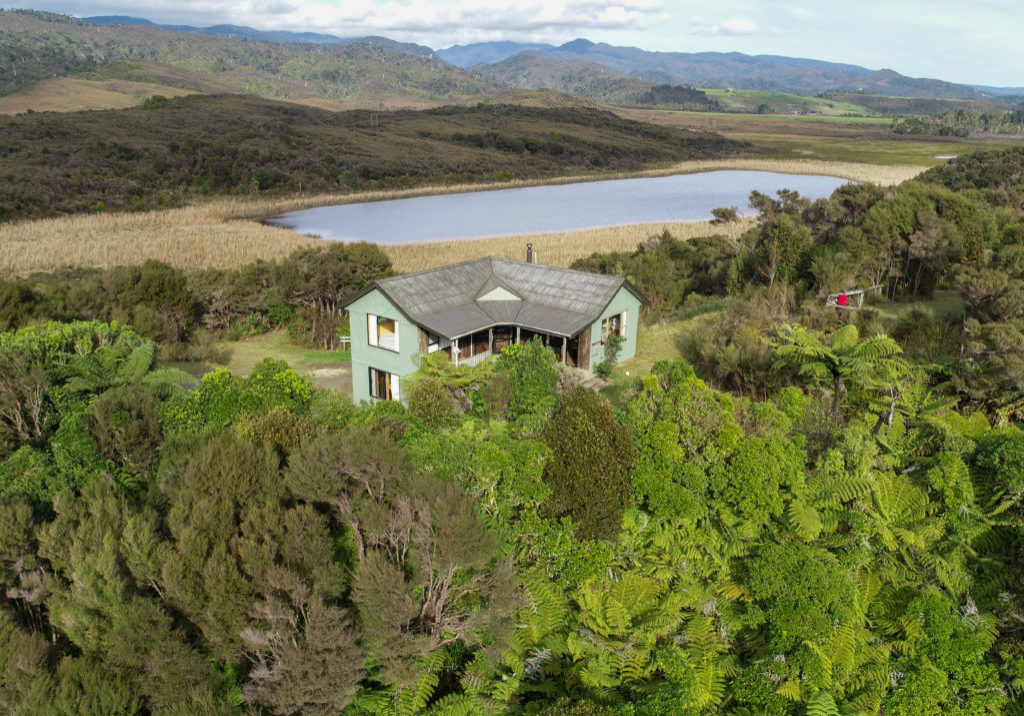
(819,513)
(169,151)
(593,81)
(42,45)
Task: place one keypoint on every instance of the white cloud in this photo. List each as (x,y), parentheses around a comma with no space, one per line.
(436,22)
(733,27)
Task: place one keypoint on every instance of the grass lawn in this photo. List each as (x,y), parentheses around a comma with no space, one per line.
(328,369)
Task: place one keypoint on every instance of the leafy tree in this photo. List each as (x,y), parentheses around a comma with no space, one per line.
(427,569)
(944,665)
(804,591)
(101,603)
(724,215)
(782,248)
(125,427)
(161,304)
(17,304)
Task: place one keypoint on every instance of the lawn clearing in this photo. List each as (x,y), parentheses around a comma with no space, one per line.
(327,369)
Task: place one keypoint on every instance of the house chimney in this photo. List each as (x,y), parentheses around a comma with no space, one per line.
(529,253)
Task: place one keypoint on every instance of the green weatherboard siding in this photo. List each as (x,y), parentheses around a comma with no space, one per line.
(365,356)
(624,301)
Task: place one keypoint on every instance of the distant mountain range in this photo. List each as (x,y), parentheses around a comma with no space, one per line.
(359,72)
(380,72)
(239,31)
(701,69)
(725,69)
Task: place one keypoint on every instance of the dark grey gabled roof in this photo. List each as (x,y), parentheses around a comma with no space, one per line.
(447,300)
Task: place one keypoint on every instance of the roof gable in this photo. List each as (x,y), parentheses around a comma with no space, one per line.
(499,293)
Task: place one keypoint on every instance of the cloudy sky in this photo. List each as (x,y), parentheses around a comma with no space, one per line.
(969,41)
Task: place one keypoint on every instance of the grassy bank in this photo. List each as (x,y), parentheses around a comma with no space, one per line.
(225,232)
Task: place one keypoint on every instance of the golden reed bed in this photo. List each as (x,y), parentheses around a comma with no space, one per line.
(226,232)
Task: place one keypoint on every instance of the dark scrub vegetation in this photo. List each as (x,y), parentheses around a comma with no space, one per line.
(302,294)
(165,155)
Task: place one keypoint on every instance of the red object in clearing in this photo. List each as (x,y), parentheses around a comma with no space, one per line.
(841,299)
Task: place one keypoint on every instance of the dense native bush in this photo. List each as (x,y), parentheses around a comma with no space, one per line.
(850,545)
(263,545)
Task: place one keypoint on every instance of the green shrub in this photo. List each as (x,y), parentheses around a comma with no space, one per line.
(532,375)
(432,402)
(589,471)
(612,348)
(221,399)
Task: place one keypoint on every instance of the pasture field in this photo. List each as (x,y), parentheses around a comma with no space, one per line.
(826,139)
(227,232)
(784,103)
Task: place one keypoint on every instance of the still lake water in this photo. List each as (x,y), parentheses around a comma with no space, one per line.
(544,209)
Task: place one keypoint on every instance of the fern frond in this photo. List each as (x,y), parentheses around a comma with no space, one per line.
(805,520)
(139,362)
(822,704)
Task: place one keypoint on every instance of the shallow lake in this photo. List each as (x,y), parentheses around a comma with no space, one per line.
(544,209)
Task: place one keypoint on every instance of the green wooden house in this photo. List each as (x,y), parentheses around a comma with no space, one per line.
(474,309)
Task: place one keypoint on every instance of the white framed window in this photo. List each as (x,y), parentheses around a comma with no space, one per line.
(382,332)
(383,385)
(614,326)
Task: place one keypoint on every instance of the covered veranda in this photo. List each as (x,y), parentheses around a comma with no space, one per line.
(473,348)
